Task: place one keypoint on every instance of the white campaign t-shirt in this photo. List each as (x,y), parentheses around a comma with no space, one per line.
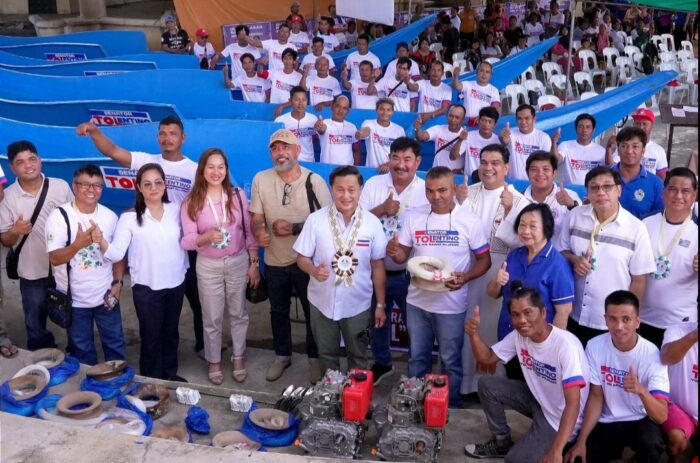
(235,51)
(654,159)
(207,51)
(477,97)
(474,144)
(578,160)
(90,273)
(609,366)
(412,198)
(521,146)
(253,88)
(305,132)
(336,143)
(379,141)
(281,84)
(441,135)
(322,89)
(452,237)
(309,62)
(273,50)
(316,242)
(414,72)
(397,91)
(179,175)
(672,300)
(549,368)
(360,98)
(299,39)
(431,98)
(683,375)
(355,58)
(330,42)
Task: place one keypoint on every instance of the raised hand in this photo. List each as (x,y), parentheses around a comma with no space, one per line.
(390,206)
(320,126)
(393,247)
(344,72)
(96,234)
(505,134)
(321,272)
(364,132)
(21,226)
(83,238)
(471,327)
(556,136)
(463,134)
(417,123)
(462,191)
(583,264)
(85,128)
(502,276)
(632,384)
(507,198)
(563,197)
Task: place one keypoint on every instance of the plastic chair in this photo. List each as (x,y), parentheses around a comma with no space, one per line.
(589,63)
(667,57)
(623,35)
(587,95)
(437,49)
(457,56)
(684,55)
(527,74)
(610,54)
(513,92)
(576,44)
(625,72)
(462,64)
(690,77)
(546,102)
(559,83)
(656,40)
(674,86)
(549,69)
(447,68)
(636,64)
(492,60)
(688,46)
(668,40)
(583,79)
(631,50)
(534,85)
(629,41)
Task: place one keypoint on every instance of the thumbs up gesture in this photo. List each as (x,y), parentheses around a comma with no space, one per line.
(563,197)
(417,123)
(344,72)
(321,272)
(462,191)
(320,126)
(83,238)
(502,276)
(632,384)
(507,198)
(583,264)
(463,134)
(556,136)
(363,133)
(21,226)
(393,247)
(471,327)
(96,234)
(505,134)
(390,205)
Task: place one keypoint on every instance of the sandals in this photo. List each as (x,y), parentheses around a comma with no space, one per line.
(217,376)
(8,350)
(239,372)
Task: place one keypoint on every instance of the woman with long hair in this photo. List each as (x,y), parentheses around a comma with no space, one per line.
(157,264)
(213,217)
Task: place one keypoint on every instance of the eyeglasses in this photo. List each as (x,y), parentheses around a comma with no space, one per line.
(672,190)
(89,186)
(607,187)
(287,196)
(203,36)
(157,185)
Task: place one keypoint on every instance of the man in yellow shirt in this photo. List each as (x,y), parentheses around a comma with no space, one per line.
(467,28)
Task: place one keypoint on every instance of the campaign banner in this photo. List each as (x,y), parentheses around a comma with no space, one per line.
(119,178)
(101,73)
(65,57)
(119,117)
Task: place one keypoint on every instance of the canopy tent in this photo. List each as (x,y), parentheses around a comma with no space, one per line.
(672,5)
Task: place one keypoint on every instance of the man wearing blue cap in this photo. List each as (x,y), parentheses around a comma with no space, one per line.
(174,39)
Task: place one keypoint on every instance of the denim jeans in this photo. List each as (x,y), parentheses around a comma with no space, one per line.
(424,328)
(109,326)
(36,312)
(396,292)
(282,282)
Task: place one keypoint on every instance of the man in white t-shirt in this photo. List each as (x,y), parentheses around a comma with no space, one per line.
(253,87)
(578,157)
(629,389)
(203,49)
(322,87)
(91,275)
(379,135)
(362,54)
(477,94)
(445,137)
(680,353)
(342,248)
(337,136)
(282,80)
(300,123)
(654,159)
(553,394)
(401,51)
(298,37)
(359,88)
(274,48)
(391,197)
(399,88)
(308,63)
(179,178)
(330,41)
(435,96)
(554,19)
(608,249)
(524,140)
(472,142)
(237,49)
(671,295)
(457,239)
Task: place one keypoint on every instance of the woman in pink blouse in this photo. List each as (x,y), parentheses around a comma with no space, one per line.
(211,225)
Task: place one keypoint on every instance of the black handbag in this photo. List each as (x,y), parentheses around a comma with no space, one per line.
(12,257)
(257,294)
(60,304)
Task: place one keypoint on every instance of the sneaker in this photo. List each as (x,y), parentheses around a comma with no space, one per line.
(315,371)
(276,369)
(380,371)
(489,449)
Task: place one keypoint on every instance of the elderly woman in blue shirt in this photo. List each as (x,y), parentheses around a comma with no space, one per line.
(536,265)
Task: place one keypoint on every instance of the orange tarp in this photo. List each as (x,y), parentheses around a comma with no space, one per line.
(212,14)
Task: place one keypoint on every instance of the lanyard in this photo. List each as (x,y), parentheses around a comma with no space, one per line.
(676,237)
(407,198)
(224,210)
(82,216)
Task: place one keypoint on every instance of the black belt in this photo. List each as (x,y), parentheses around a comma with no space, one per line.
(391,273)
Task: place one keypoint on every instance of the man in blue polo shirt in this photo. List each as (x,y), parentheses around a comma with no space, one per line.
(642,191)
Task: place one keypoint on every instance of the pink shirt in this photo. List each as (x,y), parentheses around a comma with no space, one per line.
(205,222)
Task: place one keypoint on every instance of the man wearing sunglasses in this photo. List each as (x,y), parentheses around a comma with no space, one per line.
(282,199)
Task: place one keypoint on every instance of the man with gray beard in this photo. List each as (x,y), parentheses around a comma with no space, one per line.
(281,199)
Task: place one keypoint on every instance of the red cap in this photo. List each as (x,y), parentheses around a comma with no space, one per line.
(643,113)
(296,19)
(201,32)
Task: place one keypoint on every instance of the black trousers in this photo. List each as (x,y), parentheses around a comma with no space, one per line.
(192,293)
(652,333)
(159,316)
(583,333)
(607,441)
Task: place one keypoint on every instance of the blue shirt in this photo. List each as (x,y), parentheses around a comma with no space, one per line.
(642,195)
(549,273)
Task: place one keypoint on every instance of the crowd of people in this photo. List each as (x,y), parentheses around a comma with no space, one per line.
(579,312)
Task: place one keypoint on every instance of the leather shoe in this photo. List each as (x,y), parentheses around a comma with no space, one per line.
(315,371)
(276,369)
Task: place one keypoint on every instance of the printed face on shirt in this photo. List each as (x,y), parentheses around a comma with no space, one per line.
(152,185)
(170,139)
(622,322)
(440,192)
(384,112)
(526,121)
(584,131)
(346,193)
(492,169)
(403,165)
(679,195)
(526,318)
(531,230)
(87,189)
(26,166)
(284,156)
(603,193)
(455,117)
(340,109)
(215,170)
(631,152)
(541,174)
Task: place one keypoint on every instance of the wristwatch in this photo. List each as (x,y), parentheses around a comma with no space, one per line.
(575,205)
(380,306)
